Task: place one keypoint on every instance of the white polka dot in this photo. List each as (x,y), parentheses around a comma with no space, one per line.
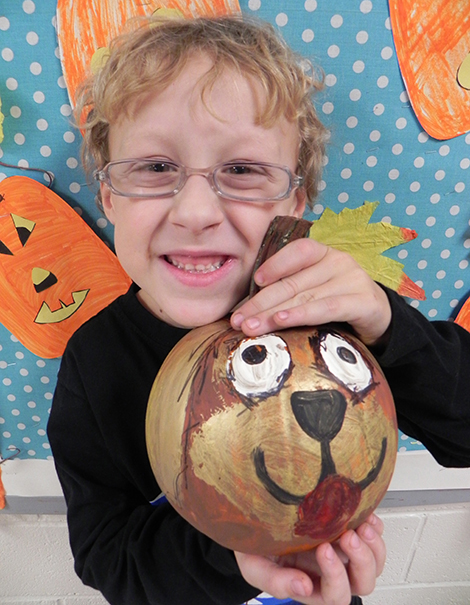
(11,398)
(281,19)
(28,388)
(426,243)
(35,68)
(450,232)
(348,148)
(333,51)
(351,122)
(362,37)
(358,67)
(465,163)
(11,84)
(382,82)
(422,264)
(24,372)
(355,94)
(318,208)
(45,151)
(415,186)
(454,210)
(440,274)
(343,197)
(401,123)
(61,82)
(39,97)
(308,35)
(330,80)
(458,284)
(368,186)
(393,174)
(402,254)
(29,7)
(310,5)
(346,173)
(102,223)
(410,210)
(436,294)
(72,163)
(387,219)
(432,313)
(74,187)
(4,24)
(375,135)
(459,187)
(387,53)
(397,149)
(7,54)
(466,244)
(69,137)
(365,6)
(19,138)
(444,150)
(254,5)
(32,38)
(445,254)
(66,110)
(41,363)
(15,412)
(379,109)
(453,303)
(328,108)
(15,111)
(435,198)
(430,221)
(463,264)
(336,21)
(418,162)
(42,124)
(404,97)
(423,137)
(440,174)
(390,198)
(371,161)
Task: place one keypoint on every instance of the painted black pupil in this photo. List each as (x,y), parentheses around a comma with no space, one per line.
(254,354)
(346,355)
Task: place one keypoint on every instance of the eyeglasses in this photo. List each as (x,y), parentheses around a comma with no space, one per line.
(158,177)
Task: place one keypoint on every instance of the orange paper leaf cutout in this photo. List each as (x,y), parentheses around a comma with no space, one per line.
(84,26)
(432,40)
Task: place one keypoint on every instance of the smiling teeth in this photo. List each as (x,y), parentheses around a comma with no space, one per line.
(197,268)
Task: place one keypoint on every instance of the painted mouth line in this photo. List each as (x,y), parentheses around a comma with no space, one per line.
(285,497)
(195,268)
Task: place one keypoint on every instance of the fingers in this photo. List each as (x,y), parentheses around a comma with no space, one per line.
(307,283)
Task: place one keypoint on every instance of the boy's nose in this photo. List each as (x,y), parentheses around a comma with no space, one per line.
(196,207)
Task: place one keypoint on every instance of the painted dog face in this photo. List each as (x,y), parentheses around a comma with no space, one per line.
(274,443)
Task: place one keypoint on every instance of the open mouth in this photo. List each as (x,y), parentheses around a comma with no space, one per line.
(285,497)
(196,265)
(47,316)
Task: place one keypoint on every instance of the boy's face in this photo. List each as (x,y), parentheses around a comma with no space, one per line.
(192,254)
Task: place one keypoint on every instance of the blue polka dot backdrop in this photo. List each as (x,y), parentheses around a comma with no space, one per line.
(377,152)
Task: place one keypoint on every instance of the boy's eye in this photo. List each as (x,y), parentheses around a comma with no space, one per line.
(157,167)
(242,169)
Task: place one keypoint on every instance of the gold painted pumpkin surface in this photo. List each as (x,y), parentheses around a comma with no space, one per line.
(271,444)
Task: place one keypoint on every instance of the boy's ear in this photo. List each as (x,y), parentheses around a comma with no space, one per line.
(107,202)
(300,201)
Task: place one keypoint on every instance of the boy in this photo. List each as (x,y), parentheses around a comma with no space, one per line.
(202,131)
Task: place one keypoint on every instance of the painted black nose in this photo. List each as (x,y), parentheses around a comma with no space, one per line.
(320,414)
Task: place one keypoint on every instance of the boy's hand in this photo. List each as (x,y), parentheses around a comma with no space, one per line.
(308,283)
(326,575)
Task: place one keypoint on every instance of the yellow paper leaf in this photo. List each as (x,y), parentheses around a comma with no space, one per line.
(351,232)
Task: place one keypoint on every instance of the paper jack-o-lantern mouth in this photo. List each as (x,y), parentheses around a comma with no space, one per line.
(55,273)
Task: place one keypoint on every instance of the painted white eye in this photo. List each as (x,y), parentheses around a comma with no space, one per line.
(345,362)
(259,366)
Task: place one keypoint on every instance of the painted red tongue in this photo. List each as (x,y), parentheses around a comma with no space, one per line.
(327,509)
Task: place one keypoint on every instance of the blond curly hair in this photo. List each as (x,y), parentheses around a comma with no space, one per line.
(152,56)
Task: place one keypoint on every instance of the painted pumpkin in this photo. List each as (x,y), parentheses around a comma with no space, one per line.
(55,273)
(86,26)
(271,444)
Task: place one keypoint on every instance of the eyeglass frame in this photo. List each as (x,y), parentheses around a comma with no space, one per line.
(102,176)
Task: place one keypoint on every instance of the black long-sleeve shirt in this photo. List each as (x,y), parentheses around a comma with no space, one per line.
(136,553)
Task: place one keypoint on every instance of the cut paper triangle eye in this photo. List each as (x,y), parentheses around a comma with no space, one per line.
(432,41)
(55,272)
(86,27)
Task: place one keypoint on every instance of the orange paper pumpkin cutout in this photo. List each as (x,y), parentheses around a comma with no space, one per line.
(55,273)
(84,26)
(432,40)
(463,317)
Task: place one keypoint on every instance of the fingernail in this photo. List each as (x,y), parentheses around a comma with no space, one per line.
(283,315)
(259,278)
(253,323)
(237,320)
(355,542)
(368,532)
(298,588)
(329,552)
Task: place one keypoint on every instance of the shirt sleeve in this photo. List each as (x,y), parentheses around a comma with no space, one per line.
(427,365)
(131,551)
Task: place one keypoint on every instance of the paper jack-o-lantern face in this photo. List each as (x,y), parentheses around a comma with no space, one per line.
(275,443)
(55,273)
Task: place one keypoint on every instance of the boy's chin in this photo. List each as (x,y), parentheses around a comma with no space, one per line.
(194,318)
